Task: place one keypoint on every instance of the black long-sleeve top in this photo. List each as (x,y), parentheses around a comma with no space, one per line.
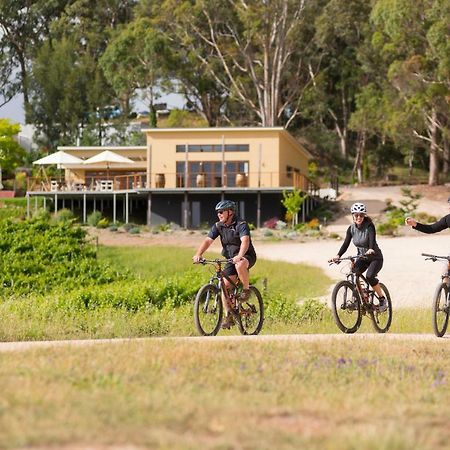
(435,227)
(364,238)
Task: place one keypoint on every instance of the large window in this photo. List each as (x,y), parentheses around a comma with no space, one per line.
(209,173)
(213,148)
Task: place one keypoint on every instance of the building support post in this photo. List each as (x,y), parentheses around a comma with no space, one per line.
(126,207)
(114,207)
(149,209)
(56,203)
(185,211)
(84,208)
(258,209)
(28,205)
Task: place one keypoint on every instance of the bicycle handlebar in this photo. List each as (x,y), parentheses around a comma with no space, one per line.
(214,261)
(434,258)
(347,258)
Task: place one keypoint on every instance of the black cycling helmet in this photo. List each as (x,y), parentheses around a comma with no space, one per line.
(226,204)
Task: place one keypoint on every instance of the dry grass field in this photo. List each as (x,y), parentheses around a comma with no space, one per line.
(345,393)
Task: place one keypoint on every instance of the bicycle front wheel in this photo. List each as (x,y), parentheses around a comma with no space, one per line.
(440,309)
(252,313)
(208,310)
(346,307)
(381,321)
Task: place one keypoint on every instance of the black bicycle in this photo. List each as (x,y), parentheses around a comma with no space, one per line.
(208,308)
(441,298)
(353,298)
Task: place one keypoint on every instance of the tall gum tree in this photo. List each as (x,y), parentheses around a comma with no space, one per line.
(263,48)
(413,39)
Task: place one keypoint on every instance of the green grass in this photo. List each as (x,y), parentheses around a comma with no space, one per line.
(331,395)
(296,281)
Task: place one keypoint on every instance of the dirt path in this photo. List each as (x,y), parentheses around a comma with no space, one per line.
(38,345)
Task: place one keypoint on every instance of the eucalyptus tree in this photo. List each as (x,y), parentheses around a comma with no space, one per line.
(413,39)
(260,51)
(69,89)
(136,60)
(23,25)
(340,31)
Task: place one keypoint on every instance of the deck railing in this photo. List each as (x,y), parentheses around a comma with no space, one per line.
(175,180)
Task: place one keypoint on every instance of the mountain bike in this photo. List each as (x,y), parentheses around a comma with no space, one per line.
(208,308)
(441,298)
(353,298)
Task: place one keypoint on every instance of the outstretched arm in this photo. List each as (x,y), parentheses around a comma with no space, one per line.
(440,225)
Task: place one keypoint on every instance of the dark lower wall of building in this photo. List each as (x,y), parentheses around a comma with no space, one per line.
(169,208)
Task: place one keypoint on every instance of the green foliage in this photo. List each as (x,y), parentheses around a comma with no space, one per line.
(395,216)
(38,256)
(94,218)
(103,223)
(64,215)
(293,201)
(11,153)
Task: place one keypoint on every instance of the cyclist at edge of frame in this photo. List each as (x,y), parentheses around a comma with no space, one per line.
(236,245)
(362,233)
(442,224)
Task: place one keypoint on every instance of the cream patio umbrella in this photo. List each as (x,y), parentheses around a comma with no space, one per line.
(59,158)
(110,158)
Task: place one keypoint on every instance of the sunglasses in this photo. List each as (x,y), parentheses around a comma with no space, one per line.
(359,215)
(221,211)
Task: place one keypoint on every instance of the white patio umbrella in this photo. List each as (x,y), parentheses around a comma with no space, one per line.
(110,158)
(58,158)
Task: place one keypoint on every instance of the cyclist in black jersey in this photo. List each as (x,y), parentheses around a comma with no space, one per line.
(442,224)
(362,233)
(236,245)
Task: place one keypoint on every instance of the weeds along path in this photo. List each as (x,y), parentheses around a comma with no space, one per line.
(38,345)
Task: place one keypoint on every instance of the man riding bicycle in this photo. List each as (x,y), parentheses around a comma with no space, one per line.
(236,245)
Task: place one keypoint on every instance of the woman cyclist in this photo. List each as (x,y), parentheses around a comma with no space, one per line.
(362,233)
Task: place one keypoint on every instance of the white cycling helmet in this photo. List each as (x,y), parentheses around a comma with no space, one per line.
(358,208)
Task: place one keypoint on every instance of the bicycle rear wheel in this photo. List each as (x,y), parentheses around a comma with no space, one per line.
(208,310)
(440,309)
(381,321)
(346,307)
(251,313)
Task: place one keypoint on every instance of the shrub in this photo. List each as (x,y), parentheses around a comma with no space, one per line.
(94,218)
(134,230)
(271,223)
(64,215)
(127,226)
(103,223)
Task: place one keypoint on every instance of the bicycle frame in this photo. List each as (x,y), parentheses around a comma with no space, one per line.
(366,293)
(218,278)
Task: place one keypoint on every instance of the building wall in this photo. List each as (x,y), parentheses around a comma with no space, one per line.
(290,156)
(266,147)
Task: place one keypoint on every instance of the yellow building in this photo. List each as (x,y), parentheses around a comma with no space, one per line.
(182,173)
